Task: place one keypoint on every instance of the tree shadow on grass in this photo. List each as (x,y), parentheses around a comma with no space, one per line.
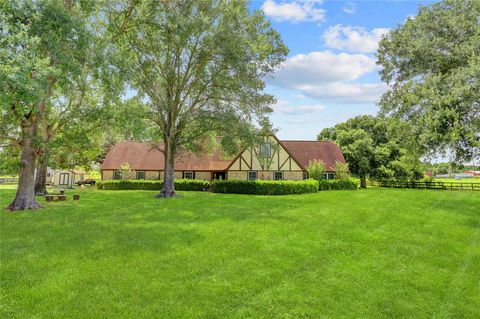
(191,207)
(135,223)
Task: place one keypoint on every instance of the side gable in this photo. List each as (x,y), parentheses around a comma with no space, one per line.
(252,159)
(306,151)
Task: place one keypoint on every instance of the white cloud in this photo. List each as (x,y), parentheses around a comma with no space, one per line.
(296,11)
(284,107)
(346,92)
(353,39)
(349,8)
(322,67)
(327,76)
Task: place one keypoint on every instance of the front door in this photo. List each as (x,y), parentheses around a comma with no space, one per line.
(219,175)
(64,179)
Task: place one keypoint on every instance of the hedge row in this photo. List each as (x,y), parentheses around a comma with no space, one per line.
(337,184)
(180,184)
(257,187)
(260,187)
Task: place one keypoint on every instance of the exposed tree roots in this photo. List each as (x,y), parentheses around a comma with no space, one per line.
(166,193)
(23,204)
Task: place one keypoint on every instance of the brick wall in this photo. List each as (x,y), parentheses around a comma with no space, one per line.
(266,175)
(293,176)
(240,175)
(106,175)
(203,175)
(152,175)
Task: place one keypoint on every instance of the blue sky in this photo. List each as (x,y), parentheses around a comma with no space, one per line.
(330,74)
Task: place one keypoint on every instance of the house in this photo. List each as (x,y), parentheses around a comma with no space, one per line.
(270,160)
(428,174)
(66,177)
(473,173)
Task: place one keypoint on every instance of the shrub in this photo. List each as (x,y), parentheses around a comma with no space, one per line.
(341,170)
(336,184)
(259,187)
(180,184)
(323,185)
(316,169)
(191,185)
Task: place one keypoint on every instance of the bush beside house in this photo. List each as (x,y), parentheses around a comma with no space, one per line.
(255,187)
(180,184)
(337,184)
(260,187)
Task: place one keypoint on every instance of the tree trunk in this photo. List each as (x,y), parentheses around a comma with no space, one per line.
(41,178)
(168,188)
(25,196)
(363,181)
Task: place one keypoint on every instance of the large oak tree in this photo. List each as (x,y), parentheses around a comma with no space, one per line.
(432,65)
(199,65)
(43,45)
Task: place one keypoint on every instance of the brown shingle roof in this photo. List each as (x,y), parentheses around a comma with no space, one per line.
(141,156)
(306,151)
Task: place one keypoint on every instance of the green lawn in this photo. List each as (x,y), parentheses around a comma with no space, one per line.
(376,253)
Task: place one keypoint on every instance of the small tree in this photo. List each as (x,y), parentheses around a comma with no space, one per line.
(341,170)
(316,169)
(125,169)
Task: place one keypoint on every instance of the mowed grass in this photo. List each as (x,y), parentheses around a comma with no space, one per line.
(376,253)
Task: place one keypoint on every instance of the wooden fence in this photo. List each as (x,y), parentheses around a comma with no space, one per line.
(8,180)
(431,185)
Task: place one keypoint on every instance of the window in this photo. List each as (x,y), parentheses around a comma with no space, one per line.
(278,176)
(329,175)
(140,175)
(305,175)
(188,175)
(117,175)
(265,150)
(252,175)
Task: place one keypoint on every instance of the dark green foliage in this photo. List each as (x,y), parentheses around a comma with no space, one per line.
(191,185)
(259,187)
(336,184)
(376,147)
(432,66)
(180,184)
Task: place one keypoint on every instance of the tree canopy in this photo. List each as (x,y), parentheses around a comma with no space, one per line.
(200,67)
(375,147)
(432,66)
(43,49)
